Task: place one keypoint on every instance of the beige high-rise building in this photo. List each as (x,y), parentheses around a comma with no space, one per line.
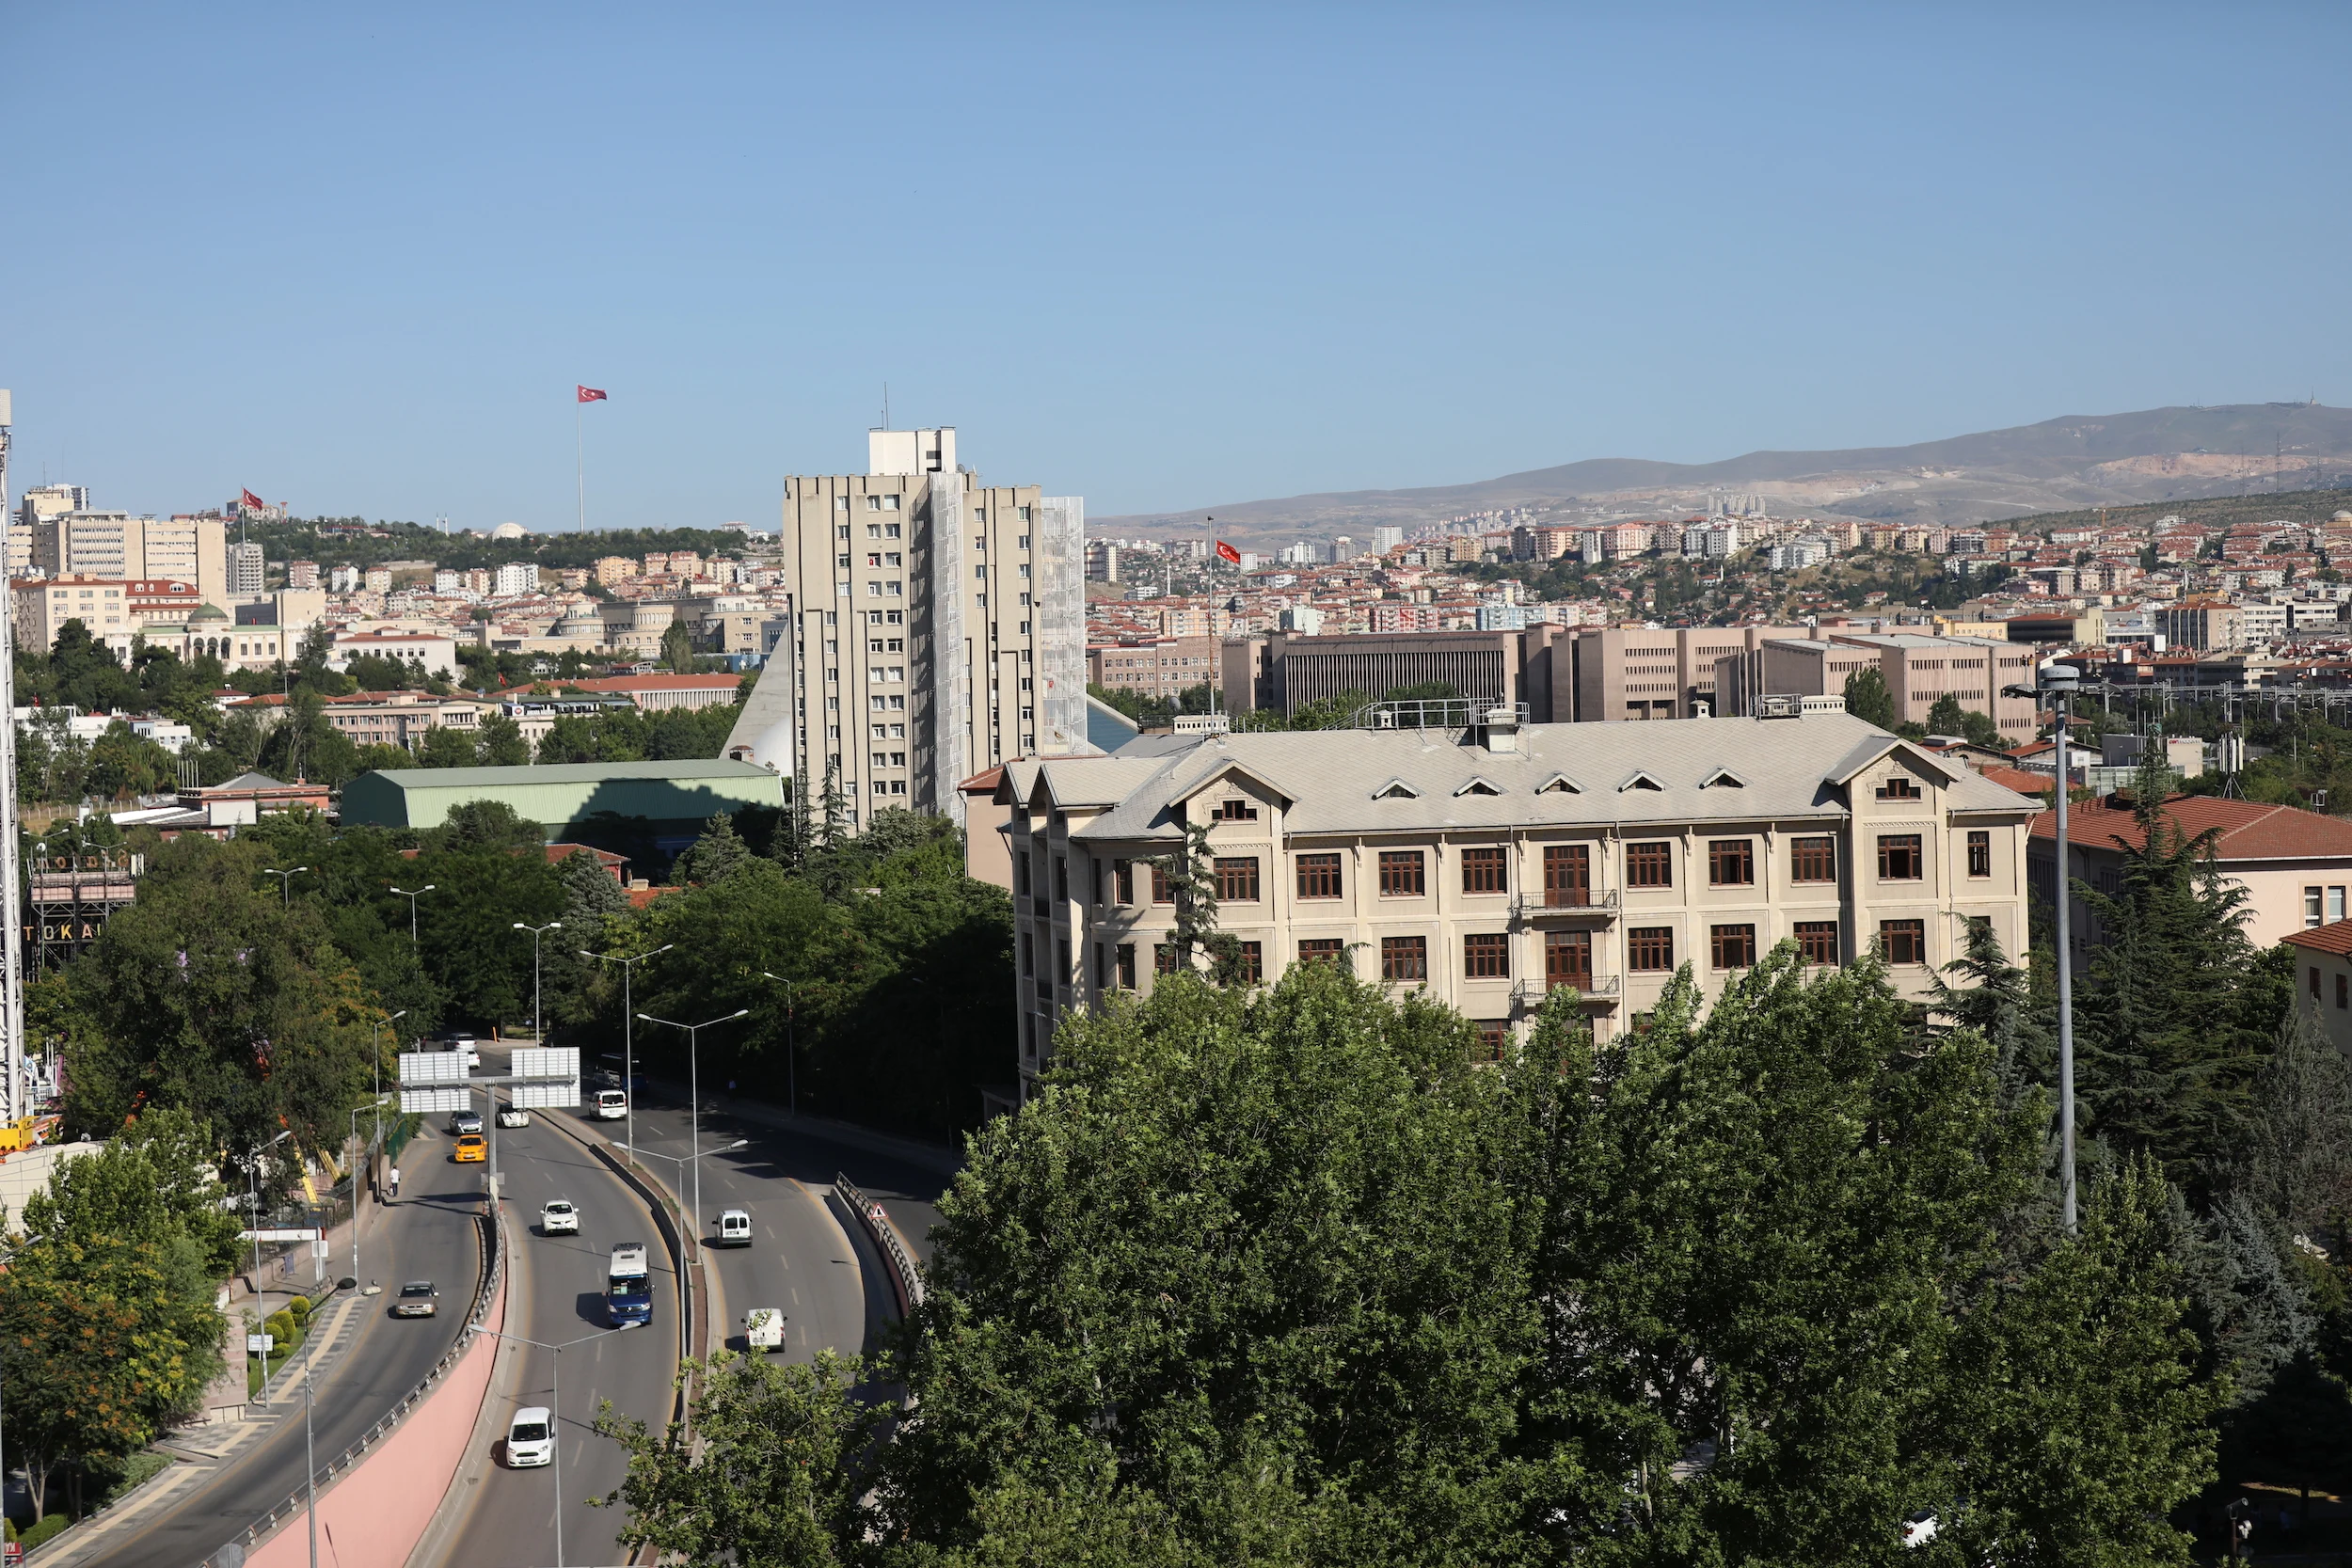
(116,545)
(937,628)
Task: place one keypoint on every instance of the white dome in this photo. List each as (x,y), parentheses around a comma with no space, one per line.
(2342,517)
(510,530)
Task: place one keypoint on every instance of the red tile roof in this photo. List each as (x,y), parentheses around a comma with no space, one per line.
(2023,781)
(2248,829)
(2336,938)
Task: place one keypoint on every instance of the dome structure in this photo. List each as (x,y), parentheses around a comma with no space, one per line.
(510,530)
(2342,517)
(205,612)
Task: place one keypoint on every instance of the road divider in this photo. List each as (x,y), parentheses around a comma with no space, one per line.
(377,1497)
(906,1280)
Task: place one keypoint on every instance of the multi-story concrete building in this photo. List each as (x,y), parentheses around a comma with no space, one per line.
(1283,672)
(305,573)
(119,547)
(248,572)
(1639,672)
(938,628)
(1918,671)
(515,576)
(1494,865)
(1165,667)
(2203,624)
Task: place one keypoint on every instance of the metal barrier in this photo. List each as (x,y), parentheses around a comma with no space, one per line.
(906,1280)
(231,1553)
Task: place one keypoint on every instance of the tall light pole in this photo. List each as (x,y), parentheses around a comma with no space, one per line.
(285,882)
(628,1032)
(792,1048)
(695,1095)
(253,1201)
(355,1175)
(2057,689)
(310,1458)
(412,908)
(555,1421)
(539,1036)
(15,1103)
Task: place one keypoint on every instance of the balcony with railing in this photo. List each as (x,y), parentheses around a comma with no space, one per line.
(1601,990)
(1557,903)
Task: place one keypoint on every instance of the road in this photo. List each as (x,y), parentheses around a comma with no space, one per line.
(430,1234)
(556,1295)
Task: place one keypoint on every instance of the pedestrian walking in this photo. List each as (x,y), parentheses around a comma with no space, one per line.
(395,1183)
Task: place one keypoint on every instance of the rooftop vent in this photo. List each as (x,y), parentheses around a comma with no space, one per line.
(1200,723)
(1780,708)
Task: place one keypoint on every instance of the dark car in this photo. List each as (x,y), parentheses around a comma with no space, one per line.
(417,1299)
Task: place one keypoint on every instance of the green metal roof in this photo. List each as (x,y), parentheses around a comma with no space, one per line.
(562,793)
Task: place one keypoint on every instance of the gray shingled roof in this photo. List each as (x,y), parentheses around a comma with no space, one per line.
(1788,768)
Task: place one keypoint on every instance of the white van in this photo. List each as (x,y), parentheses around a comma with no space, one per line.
(530,1438)
(762,1328)
(735,1228)
(612,1104)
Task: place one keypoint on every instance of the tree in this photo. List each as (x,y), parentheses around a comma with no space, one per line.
(783,1450)
(1868,699)
(714,857)
(1947,716)
(677,647)
(502,743)
(445,746)
(149,1185)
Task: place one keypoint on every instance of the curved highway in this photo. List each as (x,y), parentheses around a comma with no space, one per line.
(429,1234)
(506,1518)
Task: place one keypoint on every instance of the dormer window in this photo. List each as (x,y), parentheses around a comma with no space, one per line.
(1559,784)
(1900,788)
(1478,786)
(1236,810)
(1397,790)
(1723,777)
(1639,780)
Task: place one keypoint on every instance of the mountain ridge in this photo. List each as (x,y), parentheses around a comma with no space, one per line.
(2069,462)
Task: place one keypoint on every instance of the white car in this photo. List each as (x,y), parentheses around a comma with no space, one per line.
(1919,1528)
(612,1104)
(735,1228)
(513,1116)
(762,1328)
(559,1218)
(530,1438)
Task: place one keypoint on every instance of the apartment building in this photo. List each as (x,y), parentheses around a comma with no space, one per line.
(118,546)
(1162,667)
(401,718)
(1286,671)
(2203,624)
(2323,985)
(1649,673)
(1495,864)
(248,572)
(1918,671)
(2294,866)
(938,628)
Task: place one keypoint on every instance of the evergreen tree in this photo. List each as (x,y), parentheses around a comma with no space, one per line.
(713,858)
(1868,699)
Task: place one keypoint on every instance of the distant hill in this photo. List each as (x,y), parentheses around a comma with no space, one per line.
(2073,463)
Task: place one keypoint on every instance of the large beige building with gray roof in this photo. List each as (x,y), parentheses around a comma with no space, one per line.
(1494,863)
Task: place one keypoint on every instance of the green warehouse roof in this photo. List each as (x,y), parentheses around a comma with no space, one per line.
(563,792)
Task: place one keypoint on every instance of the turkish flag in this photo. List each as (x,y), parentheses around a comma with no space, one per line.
(1227,552)
(249,498)
(590,394)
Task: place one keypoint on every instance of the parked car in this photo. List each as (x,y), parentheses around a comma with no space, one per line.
(472,1150)
(513,1116)
(557,1217)
(530,1438)
(762,1328)
(465,1121)
(417,1299)
(735,1228)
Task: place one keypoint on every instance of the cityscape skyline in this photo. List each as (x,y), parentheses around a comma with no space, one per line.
(1299,255)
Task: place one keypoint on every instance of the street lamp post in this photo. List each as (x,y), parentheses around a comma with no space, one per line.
(538,1037)
(555,1421)
(2057,689)
(695,1095)
(379,1108)
(686,1277)
(253,1204)
(310,1457)
(628,1034)
(285,882)
(412,908)
(792,1048)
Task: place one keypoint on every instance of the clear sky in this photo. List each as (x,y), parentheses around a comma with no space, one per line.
(1160,256)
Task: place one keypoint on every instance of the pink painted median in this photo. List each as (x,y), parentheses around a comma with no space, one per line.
(377,1512)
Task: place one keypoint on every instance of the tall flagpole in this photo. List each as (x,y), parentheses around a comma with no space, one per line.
(580,460)
(14,1103)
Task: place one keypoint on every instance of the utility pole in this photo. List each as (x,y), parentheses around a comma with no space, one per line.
(15,1100)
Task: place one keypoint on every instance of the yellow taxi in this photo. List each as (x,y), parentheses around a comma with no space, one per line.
(470,1148)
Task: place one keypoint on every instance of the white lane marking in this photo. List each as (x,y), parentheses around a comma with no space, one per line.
(796,1298)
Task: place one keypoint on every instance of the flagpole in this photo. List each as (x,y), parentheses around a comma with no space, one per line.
(579,461)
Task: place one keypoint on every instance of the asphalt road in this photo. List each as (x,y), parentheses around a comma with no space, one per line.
(430,1234)
(556,1295)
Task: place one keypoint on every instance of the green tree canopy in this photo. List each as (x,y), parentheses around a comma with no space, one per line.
(1867,698)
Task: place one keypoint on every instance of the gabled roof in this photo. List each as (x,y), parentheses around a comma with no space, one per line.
(1880,744)
(1333,778)
(2335,938)
(2245,829)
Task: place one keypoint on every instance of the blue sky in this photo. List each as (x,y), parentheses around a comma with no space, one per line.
(1161,258)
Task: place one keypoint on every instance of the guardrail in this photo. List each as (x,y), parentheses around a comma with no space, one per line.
(1531,992)
(231,1553)
(1564,901)
(906,1280)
